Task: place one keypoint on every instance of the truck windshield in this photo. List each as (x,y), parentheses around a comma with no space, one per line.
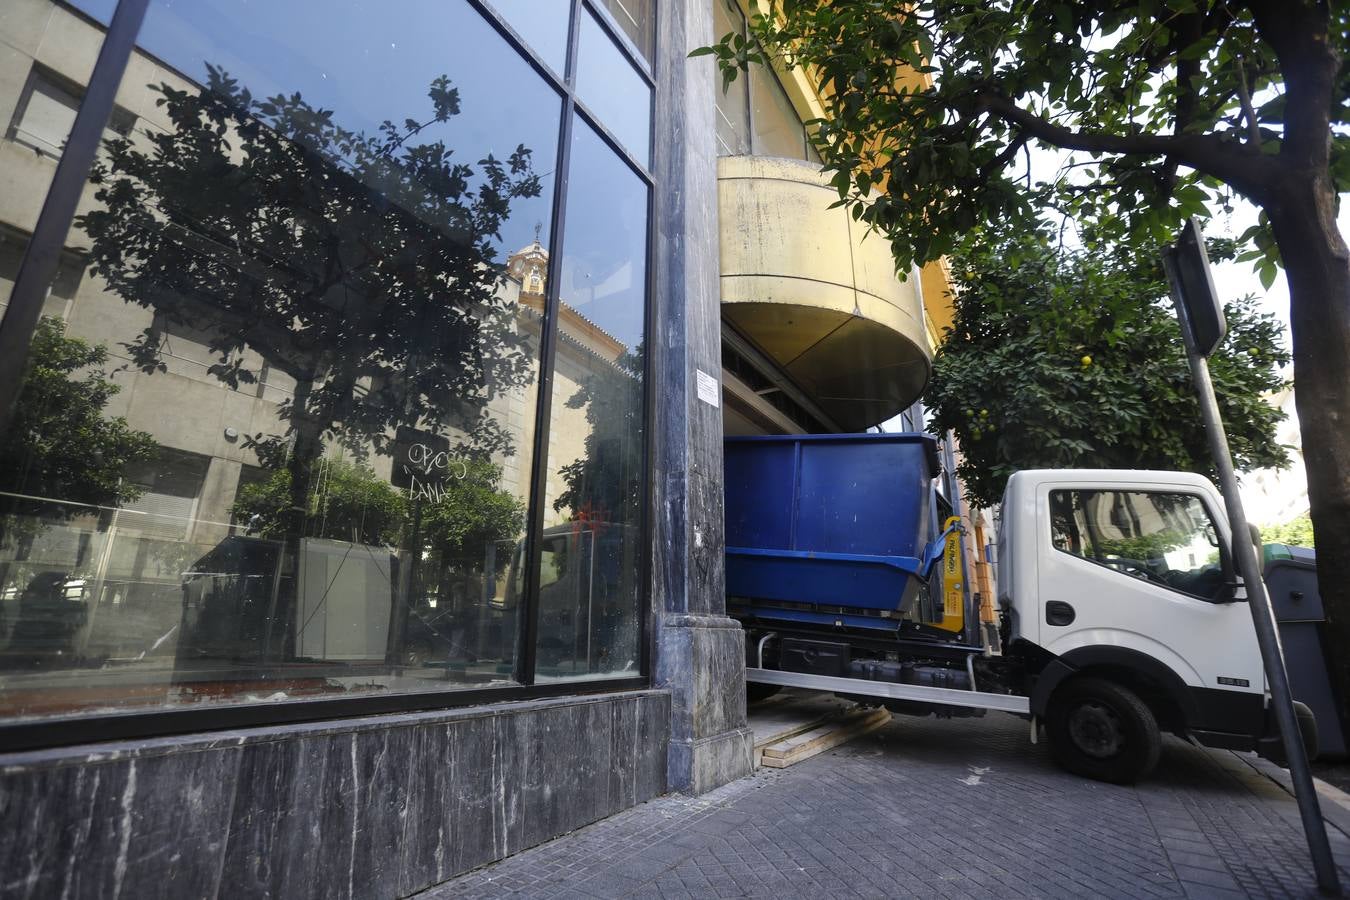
(1166,538)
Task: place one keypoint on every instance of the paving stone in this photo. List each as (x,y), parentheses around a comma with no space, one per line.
(1205,892)
(892,814)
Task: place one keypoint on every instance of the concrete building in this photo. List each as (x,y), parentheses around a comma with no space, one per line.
(1277,496)
(364,378)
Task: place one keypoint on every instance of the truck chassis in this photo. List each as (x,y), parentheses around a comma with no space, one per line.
(886,690)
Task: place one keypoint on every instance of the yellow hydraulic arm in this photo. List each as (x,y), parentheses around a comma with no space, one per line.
(953,593)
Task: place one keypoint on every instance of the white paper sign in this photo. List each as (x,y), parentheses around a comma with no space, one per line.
(707,388)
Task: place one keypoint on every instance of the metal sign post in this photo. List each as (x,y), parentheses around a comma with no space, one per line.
(1202,326)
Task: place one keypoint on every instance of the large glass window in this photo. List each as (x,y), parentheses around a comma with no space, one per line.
(1163,538)
(754,114)
(591,565)
(637,20)
(276,437)
(614,88)
(733,100)
(542,25)
(777,130)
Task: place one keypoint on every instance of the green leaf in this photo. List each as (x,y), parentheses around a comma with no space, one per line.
(1266,273)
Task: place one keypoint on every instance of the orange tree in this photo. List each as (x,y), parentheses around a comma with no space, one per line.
(1063,359)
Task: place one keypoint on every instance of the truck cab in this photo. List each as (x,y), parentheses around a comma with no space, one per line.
(1121,596)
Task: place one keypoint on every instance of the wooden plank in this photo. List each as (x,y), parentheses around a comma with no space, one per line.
(849,720)
(818,740)
(792,731)
(794,712)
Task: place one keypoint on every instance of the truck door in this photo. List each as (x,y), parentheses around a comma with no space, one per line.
(1142,567)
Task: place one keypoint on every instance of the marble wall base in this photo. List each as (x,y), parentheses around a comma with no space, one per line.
(701,660)
(376,807)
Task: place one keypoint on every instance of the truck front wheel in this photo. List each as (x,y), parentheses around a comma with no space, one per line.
(1101,730)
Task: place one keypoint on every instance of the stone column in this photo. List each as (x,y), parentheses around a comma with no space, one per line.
(699,653)
(217,496)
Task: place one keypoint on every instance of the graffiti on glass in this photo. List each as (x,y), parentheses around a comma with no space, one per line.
(428,470)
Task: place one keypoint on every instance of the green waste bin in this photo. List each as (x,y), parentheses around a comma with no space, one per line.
(1291,580)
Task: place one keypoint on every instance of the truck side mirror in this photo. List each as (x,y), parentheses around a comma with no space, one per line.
(1230,574)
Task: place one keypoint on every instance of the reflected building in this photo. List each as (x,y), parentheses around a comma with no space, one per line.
(379,378)
(585,352)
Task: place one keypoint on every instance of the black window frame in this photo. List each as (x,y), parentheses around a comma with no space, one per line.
(48,242)
(1225,552)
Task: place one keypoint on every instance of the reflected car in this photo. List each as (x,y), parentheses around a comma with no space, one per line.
(53,609)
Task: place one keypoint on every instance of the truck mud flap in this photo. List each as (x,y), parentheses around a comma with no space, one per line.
(1271,745)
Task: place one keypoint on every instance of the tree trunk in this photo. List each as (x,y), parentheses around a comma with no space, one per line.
(282,632)
(1317,265)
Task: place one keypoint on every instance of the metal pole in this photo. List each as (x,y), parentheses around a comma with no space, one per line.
(1263,617)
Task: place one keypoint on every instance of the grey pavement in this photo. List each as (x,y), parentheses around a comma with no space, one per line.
(938,808)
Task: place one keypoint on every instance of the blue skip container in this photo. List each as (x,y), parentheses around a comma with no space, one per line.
(836,529)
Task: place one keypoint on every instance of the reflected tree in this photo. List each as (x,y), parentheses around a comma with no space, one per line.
(470,513)
(61,456)
(348,503)
(362,266)
(605,483)
(589,617)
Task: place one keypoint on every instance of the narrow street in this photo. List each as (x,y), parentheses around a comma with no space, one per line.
(940,808)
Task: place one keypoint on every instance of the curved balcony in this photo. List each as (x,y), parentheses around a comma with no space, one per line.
(800,282)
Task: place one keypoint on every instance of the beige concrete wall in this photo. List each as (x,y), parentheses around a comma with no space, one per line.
(816,292)
(804,92)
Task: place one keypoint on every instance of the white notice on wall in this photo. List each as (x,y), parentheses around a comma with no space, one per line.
(707,388)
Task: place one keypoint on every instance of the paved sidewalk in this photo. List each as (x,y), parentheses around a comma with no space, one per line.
(931,808)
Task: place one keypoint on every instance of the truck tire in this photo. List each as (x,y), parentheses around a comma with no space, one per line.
(1103,731)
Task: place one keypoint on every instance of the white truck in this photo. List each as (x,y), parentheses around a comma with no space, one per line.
(1122,618)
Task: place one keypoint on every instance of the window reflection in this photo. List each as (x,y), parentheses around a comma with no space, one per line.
(754,114)
(275,440)
(1164,539)
(733,100)
(46,111)
(590,551)
(777,129)
(637,19)
(543,25)
(609,85)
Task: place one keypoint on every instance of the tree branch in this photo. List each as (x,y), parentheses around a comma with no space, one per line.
(1248,111)
(1243,167)
(998,163)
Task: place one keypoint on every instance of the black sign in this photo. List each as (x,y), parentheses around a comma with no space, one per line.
(423,464)
(1198,305)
